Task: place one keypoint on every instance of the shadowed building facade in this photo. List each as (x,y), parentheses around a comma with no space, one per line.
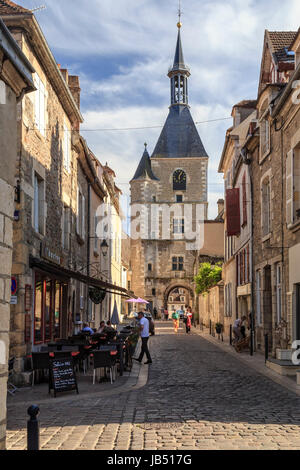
(174,177)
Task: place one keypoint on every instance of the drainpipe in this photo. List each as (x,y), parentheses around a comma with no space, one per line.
(247,162)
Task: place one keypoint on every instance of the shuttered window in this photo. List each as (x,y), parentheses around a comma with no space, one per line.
(289,188)
(39,104)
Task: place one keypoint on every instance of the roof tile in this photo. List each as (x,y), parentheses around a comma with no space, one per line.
(7,7)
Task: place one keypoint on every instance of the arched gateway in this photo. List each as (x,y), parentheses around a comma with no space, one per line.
(176,294)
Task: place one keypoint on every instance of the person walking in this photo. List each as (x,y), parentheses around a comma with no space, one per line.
(189,317)
(144,332)
(175,317)
(155,313)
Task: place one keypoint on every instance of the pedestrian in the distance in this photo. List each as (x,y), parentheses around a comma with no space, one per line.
(144,332)
(175,316)
(155,313)
(166,315)
(189,317)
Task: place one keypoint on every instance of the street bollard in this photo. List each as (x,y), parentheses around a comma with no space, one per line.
(33,431)
(210,329)
(230,335)
(266,347)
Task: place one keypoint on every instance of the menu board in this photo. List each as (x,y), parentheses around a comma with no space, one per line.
(62,375)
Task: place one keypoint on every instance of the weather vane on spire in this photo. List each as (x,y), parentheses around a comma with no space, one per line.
(179,24)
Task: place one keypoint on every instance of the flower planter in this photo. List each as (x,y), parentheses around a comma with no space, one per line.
(284,354)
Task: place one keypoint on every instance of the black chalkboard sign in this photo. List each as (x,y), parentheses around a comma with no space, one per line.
(62,375)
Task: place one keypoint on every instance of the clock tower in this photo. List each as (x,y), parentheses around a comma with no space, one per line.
(174,177)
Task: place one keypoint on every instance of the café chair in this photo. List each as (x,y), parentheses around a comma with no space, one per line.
(105,360)
(11,388)
(40,361)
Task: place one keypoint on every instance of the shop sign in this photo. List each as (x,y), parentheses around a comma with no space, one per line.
(49,255)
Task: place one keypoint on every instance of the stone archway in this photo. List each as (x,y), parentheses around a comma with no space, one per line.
(178,285)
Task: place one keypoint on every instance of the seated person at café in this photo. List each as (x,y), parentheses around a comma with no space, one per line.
(87,329)
(101,327)
(110,331)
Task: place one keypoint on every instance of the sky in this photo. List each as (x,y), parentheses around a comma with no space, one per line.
(122,50)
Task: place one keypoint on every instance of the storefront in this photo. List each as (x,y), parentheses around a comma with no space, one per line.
(54,304)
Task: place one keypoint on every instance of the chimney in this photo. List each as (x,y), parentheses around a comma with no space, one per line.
(221,204)
(74,85)
(65,74)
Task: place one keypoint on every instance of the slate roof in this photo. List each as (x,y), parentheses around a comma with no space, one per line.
(144,169)
(179,137)
(280,43)
(7,7)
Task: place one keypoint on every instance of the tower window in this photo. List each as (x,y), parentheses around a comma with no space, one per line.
(177,263)
(149,267)
(179,180)
(179,198)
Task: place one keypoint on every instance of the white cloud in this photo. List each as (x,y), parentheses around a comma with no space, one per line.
(222,44)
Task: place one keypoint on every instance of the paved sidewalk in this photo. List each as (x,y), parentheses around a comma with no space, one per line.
(198,396)
(256,362)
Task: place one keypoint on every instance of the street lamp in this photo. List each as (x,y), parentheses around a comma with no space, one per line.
(104,247)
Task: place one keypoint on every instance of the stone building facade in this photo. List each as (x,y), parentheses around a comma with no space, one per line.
(174,179)
(237,268)
(270,153)
(56,176)
(15,80)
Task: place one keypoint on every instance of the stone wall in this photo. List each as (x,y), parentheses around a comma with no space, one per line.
(211,306)
(7,168)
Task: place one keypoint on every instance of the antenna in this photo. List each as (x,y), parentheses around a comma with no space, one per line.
(42,7)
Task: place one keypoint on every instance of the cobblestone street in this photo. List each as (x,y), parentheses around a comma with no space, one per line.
(197,397)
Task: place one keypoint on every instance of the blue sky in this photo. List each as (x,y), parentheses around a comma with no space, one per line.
(122,50)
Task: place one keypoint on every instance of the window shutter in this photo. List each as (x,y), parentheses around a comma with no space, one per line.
(289,188)
(83,217)
(36,100)
(233,212)
(42,109)
(244,200)
(78,215)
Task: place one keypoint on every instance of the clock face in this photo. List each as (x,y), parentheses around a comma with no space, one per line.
(179,180)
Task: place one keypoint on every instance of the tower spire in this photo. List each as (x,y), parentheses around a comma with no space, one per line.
(179,73)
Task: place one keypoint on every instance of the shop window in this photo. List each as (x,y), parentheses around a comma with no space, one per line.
(57,311)
(38,314)
(48,309)
(47,315)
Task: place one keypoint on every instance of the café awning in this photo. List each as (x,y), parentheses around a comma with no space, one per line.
(67,274)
